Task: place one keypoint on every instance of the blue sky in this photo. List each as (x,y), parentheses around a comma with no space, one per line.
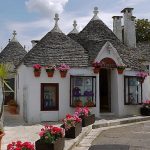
(32,19)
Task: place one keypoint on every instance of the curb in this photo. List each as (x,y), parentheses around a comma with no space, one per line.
(70,144)
(100,124)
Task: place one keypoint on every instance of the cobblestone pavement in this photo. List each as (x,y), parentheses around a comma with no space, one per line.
(136,136)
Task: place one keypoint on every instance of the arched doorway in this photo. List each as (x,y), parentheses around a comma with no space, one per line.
(105,84)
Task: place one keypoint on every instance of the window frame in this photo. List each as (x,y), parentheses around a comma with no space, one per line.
(127,103)
(72,76)
(57,96)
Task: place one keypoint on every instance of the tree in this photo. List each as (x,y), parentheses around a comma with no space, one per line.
(4,71)
(142,30)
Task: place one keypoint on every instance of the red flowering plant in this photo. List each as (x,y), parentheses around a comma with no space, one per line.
(49,133)
(82,111)
(50,68)
(37,67)
(20,146)
(71,121)
(63,67)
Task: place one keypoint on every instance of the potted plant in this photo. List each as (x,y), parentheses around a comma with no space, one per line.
(50,70)
(86,116)
(37,70)
(72,125)
(51,138)
(96,66)
(145,109)
(89,103)
(120,69)
(20,146)
(12,106)
(142,76)
(63,69)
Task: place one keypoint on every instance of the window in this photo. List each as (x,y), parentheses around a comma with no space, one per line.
(49,96)
(83,91)
(133,90)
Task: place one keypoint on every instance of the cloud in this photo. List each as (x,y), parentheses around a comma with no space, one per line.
(132,2)
(46,7)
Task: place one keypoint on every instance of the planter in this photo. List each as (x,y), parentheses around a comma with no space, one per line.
(1,136)
(73,132)
(50,73)
(63,74)
(37,73)
(78,104)
(145,111)
(96,70)
(87,120)
(57,145)
(12,109)
(120,71)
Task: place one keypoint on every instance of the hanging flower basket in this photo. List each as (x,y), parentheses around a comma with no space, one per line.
(50,70)
(63,74)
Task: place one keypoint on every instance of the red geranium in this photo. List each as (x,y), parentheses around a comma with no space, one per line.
(20,146)
(37,67)
(50,133)
(71,121)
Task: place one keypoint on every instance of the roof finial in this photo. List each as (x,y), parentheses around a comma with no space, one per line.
(14,36)
(95,14)
(56,27)
(74,31)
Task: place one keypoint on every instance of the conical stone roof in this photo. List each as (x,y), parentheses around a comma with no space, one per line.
(13,53)
(57,48)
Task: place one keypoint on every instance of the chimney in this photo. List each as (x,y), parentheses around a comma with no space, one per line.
(117,26)
(129,28)
(34,42)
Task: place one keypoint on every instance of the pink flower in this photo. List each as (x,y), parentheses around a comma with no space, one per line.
(63,67)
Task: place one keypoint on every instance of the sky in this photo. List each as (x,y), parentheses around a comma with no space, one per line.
(32,19)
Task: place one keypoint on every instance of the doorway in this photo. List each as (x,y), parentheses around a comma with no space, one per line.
(105,90)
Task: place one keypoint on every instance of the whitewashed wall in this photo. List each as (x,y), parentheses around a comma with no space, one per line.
(33,97)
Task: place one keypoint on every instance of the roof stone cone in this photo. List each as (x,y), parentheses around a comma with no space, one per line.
(56,27)
(14,36)
(74,31)
(95,17)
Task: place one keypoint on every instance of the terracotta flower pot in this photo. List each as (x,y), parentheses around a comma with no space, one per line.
(12,109)
(96,70)
(1,136)
(90,104)
(120,71)
(37,73)
(50,73)
(63,74)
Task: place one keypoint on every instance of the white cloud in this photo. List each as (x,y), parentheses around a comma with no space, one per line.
(46,7)
(132,2)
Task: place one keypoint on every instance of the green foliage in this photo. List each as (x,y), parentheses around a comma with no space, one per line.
(142,30)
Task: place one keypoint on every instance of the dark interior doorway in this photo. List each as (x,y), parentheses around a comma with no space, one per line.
(105,93)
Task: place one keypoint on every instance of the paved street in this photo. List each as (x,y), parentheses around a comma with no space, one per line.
(136,136)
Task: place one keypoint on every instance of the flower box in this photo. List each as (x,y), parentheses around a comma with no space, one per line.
(73,132)
(145,111)
(87,120)
(57,145)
